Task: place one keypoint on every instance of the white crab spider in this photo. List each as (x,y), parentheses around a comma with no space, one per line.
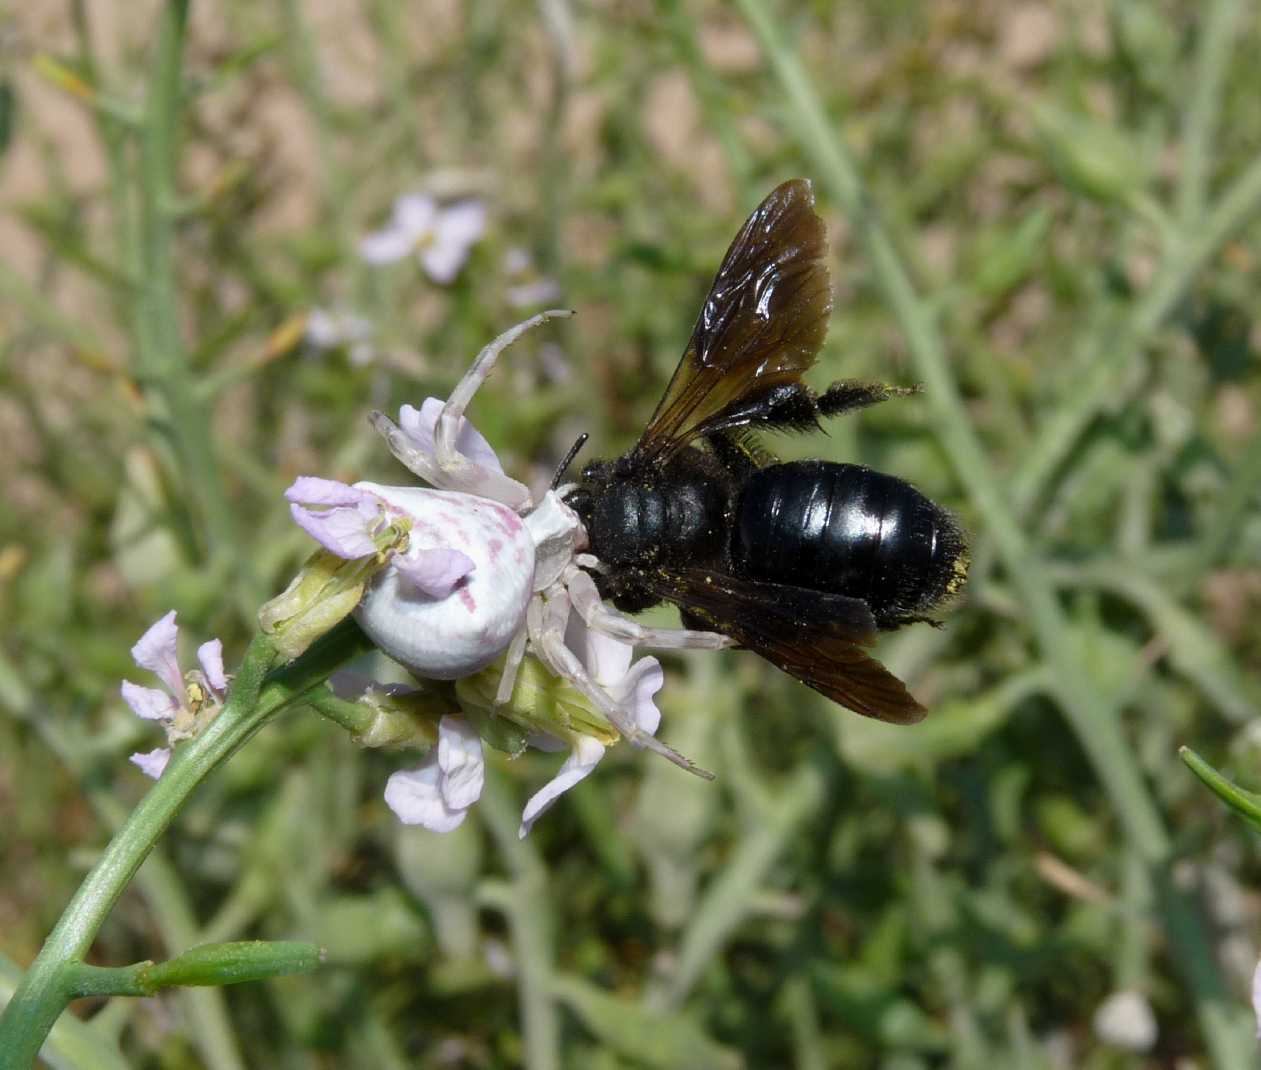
(561,584)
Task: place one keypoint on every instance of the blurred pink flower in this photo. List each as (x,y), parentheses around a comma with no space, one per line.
(441,237)
(181,697)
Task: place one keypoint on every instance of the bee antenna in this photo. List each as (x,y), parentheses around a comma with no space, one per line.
(569,459)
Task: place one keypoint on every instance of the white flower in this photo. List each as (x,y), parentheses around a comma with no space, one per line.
(180,701)
(632,686)
(153,762)
(1125,1020)
(441,237)
(327,329)
(438,793)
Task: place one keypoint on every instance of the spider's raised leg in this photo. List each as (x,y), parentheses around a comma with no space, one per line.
(445,467)
(459,473)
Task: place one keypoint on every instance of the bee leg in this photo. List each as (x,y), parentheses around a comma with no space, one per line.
(600,618)
(546,619)
(456,471)
(849,395)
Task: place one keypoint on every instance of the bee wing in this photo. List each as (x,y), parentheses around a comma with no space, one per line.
(816,637)
(761,325)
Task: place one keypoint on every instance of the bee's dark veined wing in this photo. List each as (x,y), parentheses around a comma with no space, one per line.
(760,327)
(815,636)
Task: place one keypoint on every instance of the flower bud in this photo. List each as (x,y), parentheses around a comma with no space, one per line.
(402,716)
(324,592)
(540,702)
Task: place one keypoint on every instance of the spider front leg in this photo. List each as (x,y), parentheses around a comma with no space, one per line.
(546,620)
(458,472)
(600,618)
(512,664)
(444,466)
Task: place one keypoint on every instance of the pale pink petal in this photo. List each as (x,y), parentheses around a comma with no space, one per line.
(418,425)
(155,651)
(386,246)
(582,759)
(210,657)
(349,684)
(152,763)
(340,531)
(323,329)
(415,214)
(434,572)
(605,659)
(442,261)
(339,517)
(456,231)
(531,294)
(313,490)
(517,261)
(327,330)
(414,797)
(149,702)
(463,222)
(635,691)
(461,761)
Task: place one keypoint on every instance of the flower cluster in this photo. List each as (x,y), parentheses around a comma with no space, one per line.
(447,606)
(186,701)
(442,580)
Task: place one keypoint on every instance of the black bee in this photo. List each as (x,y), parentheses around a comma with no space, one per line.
(802,562)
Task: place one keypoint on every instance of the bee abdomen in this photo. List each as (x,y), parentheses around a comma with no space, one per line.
(849,530)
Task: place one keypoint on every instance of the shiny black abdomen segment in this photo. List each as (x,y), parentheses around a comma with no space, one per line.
(673,522)
(846,529)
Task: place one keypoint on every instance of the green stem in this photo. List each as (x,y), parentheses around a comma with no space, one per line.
(47,986)
(1217,31)
(161,359)
(530,919)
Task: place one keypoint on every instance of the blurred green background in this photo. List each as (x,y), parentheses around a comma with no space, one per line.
(1057,236)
